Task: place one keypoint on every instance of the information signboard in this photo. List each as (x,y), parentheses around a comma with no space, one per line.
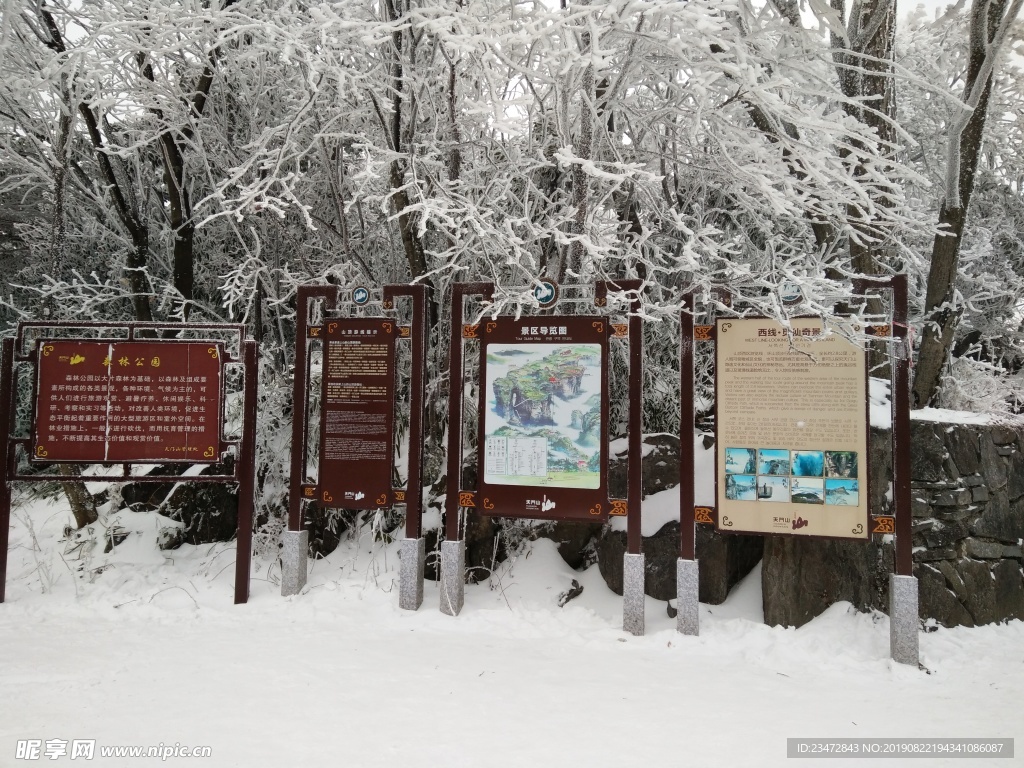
(792,432)
(357,413)
(544,417)
(127,401)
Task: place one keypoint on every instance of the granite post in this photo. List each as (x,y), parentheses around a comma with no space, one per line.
(903,637)
(410,573)
(633,594)
(687,591)
(294,546)
(453,583)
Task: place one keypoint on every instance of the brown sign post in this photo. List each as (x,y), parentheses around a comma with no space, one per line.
(357,423)
(143,397)
(543,426)
(687,570)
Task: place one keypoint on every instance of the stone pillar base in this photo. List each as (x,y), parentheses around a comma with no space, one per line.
(294,546)
(410,574)
(687,590)
(633,594)
(453,580)
(903,637)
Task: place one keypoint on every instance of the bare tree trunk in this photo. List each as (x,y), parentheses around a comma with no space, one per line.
(941,314)
(138,279)
(989,22)
(878,89)
(180,212)
(181,222)
(82,505)
(174,178)
(411,244)
(414,254)
(863,58)
(130,218)
(573,259)
(59,232)
(455,154)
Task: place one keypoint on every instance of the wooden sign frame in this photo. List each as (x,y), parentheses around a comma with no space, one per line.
(544,356)
(25,350)
(459,500)
(308,332)
(897,524)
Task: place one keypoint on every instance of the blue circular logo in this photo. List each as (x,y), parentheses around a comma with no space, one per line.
(546,293)
(790,292)
(361,295)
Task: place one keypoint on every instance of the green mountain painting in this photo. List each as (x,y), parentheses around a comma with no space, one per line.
(542,425)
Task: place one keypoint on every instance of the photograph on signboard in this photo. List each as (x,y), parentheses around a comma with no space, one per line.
(772,489)
(741,487)
(542,424)
(840,464)
(740,461)
(844,493)
(773,461)
(808,490)
(808,463)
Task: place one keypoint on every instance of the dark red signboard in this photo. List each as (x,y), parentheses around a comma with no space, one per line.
(543,448)
(357,413)
(128,401)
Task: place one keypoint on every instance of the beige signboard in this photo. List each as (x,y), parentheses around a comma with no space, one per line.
(792,429)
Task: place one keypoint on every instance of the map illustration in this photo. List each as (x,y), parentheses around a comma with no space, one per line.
(542,424)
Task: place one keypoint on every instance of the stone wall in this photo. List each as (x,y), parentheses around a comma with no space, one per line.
(968,509)
(968,525)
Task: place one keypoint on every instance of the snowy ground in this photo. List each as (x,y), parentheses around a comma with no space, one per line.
(151,651)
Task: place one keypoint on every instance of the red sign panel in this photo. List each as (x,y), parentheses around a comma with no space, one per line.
(128,401)
(357,413)
(544,418)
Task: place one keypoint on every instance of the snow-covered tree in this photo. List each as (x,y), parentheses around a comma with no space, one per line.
(199,160)
(966,139)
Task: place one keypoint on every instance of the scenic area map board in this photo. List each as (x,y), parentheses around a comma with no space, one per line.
(543,418)
(128,401)
(792,438)
(357,421)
